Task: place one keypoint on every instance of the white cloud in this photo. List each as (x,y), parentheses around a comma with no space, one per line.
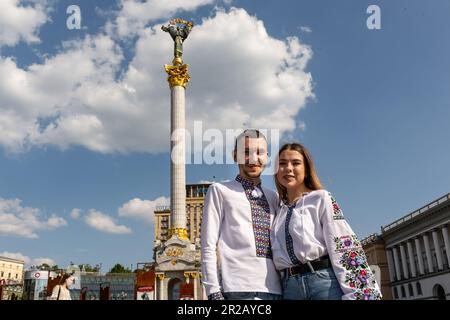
(142,209)
(134,15)
(75,98)
(15,255)
(104,223)
(75,213)
(21,20)
(306,29)
(205,182)
(28,261)
(39,261)
(24,221)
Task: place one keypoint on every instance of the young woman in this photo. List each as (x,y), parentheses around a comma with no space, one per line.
(61,291)
(313,246)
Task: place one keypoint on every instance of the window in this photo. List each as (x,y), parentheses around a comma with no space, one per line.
(17,276)
(419,288)
(410,289)
(9,275)
(395,293)
(2,274)
(403,291)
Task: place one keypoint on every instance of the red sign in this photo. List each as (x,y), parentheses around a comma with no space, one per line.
(145,289)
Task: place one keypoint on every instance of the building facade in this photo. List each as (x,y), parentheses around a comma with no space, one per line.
(195,197)
(418,252)
(11,270)
(36,284)
(374,249)
(110,286)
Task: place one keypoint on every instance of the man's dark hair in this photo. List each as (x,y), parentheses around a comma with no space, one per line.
(248,133)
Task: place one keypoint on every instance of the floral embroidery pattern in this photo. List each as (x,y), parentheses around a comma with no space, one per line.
(337,212)
(260,217)
(345,242)
(359,276)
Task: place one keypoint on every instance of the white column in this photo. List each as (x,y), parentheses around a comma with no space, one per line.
(428,252)
(161,288)
(177,172)
(155,289)
(195,279)
(404,263)
(398,275)
(447,243)
(419,255)
(437,250)
(390,265)
(412,263)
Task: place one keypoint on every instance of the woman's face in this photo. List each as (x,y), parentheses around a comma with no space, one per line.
(70,280)
(291,169)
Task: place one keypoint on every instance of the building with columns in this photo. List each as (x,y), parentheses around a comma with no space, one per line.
(418,252)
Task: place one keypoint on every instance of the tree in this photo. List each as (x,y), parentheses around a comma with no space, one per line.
(44,267)
(88,268)
(118,268)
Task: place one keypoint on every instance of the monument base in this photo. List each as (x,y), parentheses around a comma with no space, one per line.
(178,270)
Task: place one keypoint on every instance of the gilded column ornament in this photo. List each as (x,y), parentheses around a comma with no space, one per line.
(178,75)
(181,233)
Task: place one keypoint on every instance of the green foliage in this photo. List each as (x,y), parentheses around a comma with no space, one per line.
(118,268)
(88,268)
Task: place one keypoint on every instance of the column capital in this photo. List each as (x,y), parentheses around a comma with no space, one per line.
(178,75)
(160,276)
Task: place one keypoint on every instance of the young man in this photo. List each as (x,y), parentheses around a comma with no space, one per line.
(235,237)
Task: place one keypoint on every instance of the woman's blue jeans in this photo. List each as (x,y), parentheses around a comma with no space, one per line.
(318,285)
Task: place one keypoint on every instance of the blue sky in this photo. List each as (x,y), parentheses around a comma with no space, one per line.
(84,113)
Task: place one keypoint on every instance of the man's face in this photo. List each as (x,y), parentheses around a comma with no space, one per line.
(251,156)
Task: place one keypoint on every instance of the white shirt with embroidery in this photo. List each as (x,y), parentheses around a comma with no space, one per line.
(230,261)
(318,228)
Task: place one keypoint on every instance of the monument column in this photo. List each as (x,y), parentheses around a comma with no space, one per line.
(178,78)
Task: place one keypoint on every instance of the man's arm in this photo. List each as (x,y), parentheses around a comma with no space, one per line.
(211,222)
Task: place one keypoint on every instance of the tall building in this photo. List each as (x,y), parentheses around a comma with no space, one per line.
(11,270)
(195,196)
(418,252)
